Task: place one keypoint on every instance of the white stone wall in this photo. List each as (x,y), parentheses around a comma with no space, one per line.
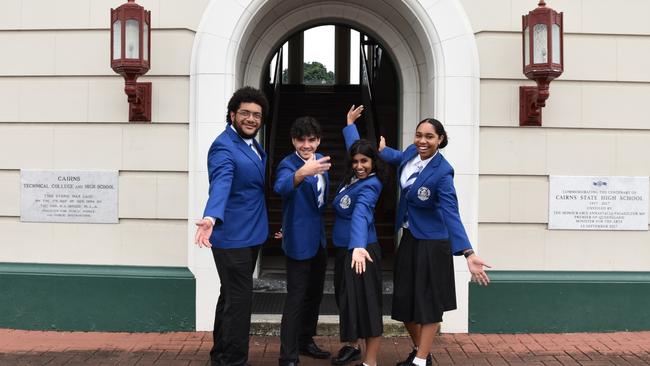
(594,124)
(62,107)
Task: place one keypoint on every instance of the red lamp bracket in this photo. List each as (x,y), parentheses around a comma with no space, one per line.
(139,97)
(530,113)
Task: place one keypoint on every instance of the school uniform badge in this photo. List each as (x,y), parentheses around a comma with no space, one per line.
(345,202)
(424,193)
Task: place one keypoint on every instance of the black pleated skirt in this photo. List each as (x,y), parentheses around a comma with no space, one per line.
(358,296)
(423,280)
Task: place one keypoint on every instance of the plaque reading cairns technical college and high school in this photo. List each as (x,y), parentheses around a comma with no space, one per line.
(598,203)
(68,196)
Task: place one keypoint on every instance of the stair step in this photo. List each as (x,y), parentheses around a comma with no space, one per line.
(328,325)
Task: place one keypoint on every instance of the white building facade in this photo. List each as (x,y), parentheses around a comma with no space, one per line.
(63,108)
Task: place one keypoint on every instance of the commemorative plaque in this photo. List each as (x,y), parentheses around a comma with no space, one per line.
(68,196)
(598,203)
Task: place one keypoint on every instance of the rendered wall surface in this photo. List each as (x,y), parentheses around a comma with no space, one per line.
(62,107)
(591,126)
(560,280)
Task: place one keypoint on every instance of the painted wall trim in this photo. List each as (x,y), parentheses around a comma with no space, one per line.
(560,301)
(96,298)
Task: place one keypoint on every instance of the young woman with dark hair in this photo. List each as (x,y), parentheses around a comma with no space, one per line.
(357,272)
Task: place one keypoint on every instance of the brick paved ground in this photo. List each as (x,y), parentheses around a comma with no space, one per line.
(19,347)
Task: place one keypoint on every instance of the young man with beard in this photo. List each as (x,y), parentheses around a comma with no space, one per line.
(235,222)
(302,181)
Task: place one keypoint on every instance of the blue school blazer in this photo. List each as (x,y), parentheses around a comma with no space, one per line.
(354,225)
(236,196)
(303,229)
(431,203)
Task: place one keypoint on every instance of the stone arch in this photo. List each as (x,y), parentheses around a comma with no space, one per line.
(435,55)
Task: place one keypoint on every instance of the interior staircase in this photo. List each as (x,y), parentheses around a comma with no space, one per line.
(329,105)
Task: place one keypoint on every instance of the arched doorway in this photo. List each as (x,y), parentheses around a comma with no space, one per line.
(298,84)
(436,61)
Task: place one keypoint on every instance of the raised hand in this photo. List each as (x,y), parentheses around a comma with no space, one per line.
(359,258)
(382,143)
(203,232)
(354,113)
(313,166)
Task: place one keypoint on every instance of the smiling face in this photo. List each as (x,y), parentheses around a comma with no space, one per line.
(361,166)
(247,120)
(306,146)
(426,140)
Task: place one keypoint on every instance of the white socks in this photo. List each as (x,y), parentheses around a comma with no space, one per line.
(420,361)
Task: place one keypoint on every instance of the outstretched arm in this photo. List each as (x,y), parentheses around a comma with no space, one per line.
(388,154)
(220,169)
(362,215)
(350,132)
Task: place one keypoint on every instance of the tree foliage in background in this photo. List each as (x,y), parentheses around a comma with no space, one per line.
(315,73)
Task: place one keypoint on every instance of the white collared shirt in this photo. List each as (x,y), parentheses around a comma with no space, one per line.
(414,165)
(248,142)
(320,184)
(353,180)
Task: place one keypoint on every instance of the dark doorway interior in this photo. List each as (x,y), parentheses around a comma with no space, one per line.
(379,92)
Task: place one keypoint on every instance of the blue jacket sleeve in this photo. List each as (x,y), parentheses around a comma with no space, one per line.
(221,166)
(449,205)
(362,216)
(391,156)
(350,135)
(284,180)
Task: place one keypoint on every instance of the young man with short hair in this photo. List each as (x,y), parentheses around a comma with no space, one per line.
(302,181)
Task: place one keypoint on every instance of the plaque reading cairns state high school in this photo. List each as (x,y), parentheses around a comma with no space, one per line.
(598,203)
(68,196)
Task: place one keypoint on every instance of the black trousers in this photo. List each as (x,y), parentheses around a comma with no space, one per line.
(232,320)
(305,280)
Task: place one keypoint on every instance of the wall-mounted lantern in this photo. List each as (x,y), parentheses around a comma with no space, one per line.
(130,55)
(543,58)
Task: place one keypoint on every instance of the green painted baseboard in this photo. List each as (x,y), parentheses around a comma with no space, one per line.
(96,298)
(547,301)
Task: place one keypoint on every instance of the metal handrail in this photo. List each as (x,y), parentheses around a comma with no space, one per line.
(370,113)
(277,83)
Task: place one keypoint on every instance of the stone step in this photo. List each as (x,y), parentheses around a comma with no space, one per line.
(328,325)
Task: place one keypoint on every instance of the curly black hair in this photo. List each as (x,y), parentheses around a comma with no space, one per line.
(304,127)
(247,94)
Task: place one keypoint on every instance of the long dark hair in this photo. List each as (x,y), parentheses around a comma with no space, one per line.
(366,148)
(439,128)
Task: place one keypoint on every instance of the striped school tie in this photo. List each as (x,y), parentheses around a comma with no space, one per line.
(320,187)
(405,190)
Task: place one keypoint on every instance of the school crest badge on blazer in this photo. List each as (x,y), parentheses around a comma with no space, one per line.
(345,202)
(424,193)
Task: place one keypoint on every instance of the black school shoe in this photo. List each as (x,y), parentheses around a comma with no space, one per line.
(346,354)
(312,350)
(411,357)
